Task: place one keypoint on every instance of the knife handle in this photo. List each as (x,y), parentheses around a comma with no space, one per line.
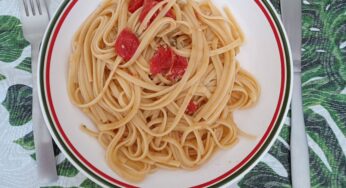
(45,158)
(299,147)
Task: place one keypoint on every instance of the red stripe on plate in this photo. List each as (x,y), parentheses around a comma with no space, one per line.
(211,182)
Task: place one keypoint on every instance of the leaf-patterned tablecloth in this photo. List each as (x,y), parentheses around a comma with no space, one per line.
(324,96)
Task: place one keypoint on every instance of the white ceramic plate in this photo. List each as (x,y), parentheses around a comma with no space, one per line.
(265,55)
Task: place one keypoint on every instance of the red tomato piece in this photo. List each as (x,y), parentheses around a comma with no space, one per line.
(126,44)
(171,14)
(134,5)
(162,61)
(192,107)
(178,69)
(147,6)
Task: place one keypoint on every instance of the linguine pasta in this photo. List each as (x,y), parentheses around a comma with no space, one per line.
(143,120)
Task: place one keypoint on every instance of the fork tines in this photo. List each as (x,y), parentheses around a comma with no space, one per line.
(34,5)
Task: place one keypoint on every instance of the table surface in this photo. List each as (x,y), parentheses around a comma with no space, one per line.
(324,98)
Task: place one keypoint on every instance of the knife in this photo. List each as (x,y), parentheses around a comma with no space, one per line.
(291,14)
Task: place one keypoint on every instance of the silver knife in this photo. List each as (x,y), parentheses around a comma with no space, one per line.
(291,13)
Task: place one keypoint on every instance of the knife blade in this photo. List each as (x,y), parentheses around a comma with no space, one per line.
(291,14)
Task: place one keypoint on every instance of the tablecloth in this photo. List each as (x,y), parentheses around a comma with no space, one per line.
(324,98)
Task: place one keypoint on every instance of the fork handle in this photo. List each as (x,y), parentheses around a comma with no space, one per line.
(43,142)
(299,147)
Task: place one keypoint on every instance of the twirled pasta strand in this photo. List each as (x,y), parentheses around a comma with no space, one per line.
(141,119)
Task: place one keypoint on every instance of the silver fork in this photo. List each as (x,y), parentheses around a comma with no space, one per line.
(34,18)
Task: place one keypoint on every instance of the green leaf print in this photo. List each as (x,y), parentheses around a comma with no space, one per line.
(18,103)
(25,65)
(11,37)
(33,156)
(323,61)
(56,149)
(65,168)
(263,175)
(324,76)
(335,104)
(89,184)
(27,142)
(322,175)
(2,77)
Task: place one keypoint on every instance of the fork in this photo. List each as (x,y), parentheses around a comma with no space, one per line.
(34,18)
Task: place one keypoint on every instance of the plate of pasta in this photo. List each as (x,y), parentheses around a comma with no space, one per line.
(164,93)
